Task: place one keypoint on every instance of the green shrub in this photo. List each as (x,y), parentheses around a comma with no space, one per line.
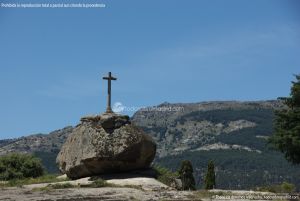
(164,175)
(20,166)
(287,187)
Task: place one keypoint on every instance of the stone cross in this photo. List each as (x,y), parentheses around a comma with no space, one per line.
(109,79)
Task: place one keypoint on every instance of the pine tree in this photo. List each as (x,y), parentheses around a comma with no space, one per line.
(186,175)
(287,125)
(209,180)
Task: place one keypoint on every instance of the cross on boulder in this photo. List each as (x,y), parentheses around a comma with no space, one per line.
(109,79)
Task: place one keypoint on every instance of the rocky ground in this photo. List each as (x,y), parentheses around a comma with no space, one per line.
(90,194)
(139,188)
(130,194)
(127,189)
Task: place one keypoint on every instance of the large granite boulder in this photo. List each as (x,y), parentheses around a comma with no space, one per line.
(105,144)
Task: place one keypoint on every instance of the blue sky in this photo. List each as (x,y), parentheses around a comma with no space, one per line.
(52,60)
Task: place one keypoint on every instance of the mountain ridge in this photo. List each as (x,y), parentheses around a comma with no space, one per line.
(231,133)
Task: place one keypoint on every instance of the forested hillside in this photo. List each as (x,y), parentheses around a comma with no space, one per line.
(232,134)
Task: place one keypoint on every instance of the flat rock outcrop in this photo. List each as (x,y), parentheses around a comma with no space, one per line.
(103,144)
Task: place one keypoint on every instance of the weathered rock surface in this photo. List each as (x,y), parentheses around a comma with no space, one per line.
(93,194)
(104,144)
(35,192)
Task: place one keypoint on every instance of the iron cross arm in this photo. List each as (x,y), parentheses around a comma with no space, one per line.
(109,78)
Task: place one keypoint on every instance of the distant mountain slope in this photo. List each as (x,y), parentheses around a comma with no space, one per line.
(45,146)
(6,142)
(232,133)
(195,125)
(38,142)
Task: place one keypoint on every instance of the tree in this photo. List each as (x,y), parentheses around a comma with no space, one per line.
(287,125)
(186,175)
(209,180)
(19,166)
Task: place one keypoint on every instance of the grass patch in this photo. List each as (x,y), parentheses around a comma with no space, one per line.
(61,185)
(285,187)
(38,180)
(99,183)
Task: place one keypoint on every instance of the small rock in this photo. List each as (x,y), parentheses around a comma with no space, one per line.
(64,176)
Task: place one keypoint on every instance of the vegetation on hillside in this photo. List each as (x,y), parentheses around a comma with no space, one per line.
(238,169)
(49,160)
(287,125)
(257,115)
(284,187)
(165,175)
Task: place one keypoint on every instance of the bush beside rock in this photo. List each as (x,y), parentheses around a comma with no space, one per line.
(19,166)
